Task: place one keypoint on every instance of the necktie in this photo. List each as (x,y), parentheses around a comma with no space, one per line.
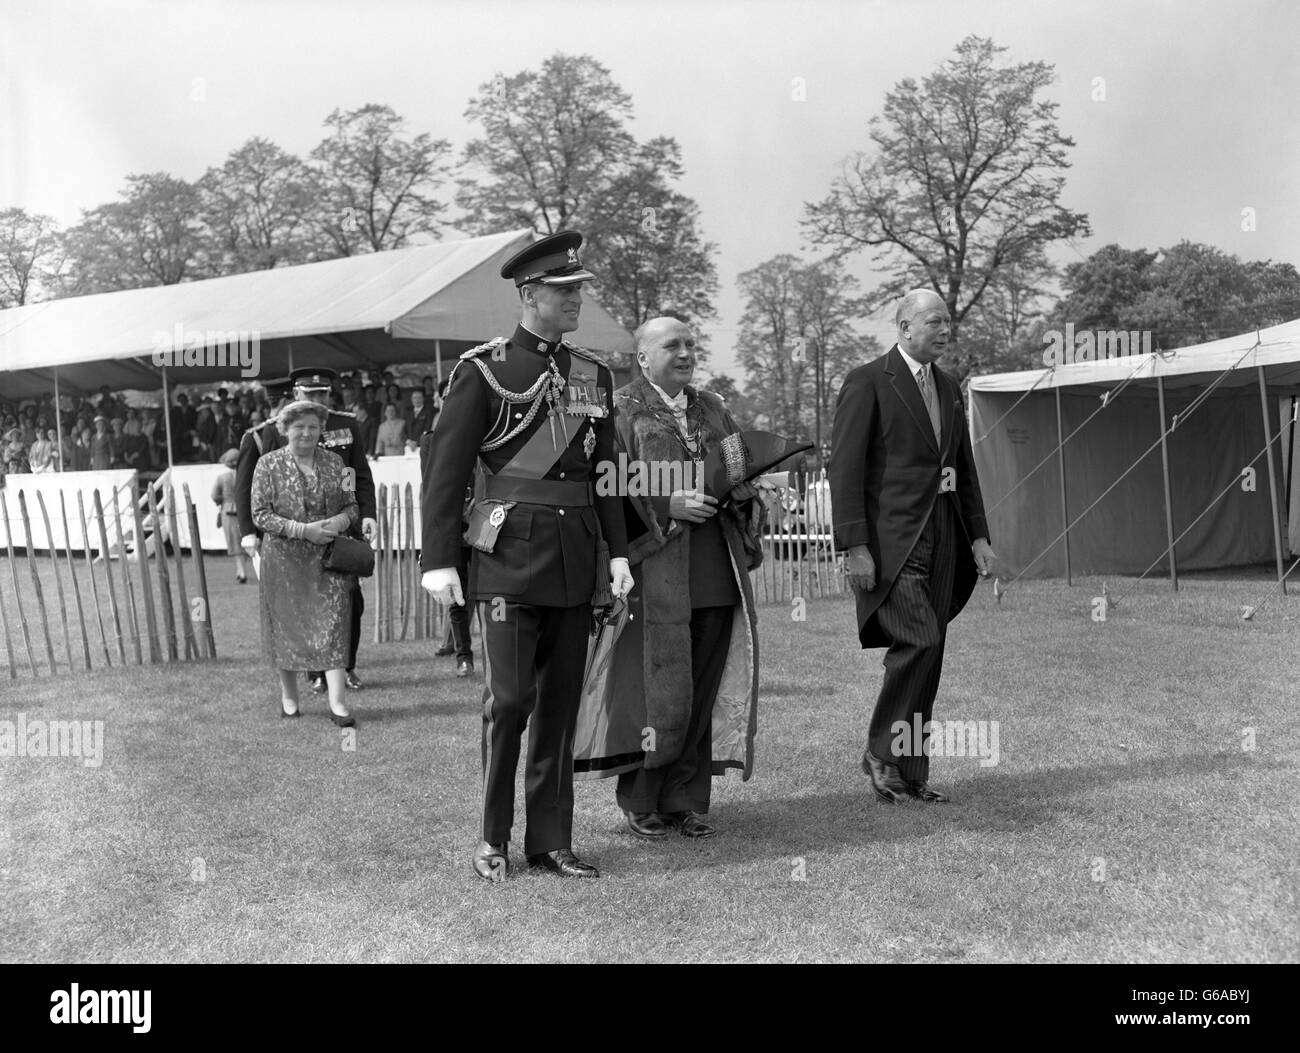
(931,401)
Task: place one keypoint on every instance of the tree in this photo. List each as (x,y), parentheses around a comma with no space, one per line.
(797,342)
(374,187)
(737,402)
(966,182)
(1186,294)
(1004,331)
(256,207)
(556,155)
(151,237)
(29,247)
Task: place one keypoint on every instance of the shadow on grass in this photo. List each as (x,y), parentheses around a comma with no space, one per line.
(764,830)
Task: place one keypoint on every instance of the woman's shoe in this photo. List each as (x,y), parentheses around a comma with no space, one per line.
(240,578)
(285,714)
(344,722)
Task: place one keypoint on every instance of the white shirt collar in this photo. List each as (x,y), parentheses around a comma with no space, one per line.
(677,404)
(912,364)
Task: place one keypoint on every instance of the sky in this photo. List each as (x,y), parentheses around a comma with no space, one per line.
(1197,123)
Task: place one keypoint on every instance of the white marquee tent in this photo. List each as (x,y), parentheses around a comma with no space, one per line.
(427,303)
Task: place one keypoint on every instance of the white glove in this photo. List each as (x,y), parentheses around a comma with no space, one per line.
(369,529)
(621,576)
(249,543)
(444,586)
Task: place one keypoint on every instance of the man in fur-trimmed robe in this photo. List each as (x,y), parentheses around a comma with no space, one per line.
(677,705)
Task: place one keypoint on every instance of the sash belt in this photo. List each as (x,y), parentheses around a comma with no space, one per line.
(538,491)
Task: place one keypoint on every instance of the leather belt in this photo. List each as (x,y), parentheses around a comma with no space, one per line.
(538,491)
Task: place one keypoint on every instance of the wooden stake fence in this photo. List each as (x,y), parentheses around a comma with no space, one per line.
(145,595)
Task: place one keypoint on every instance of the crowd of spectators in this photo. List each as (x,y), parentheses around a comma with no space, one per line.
(102,431)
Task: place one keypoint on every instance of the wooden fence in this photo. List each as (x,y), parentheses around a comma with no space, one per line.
(799,557)
(152,609)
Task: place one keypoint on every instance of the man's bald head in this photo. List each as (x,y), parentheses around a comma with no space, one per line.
(924,324)
(665,350)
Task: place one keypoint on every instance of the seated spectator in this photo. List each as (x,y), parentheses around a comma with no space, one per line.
(102,452)
(369,430)
(40,455)
(118,427)
(391,441)
(419,417)
(206,434)
(232,426)
(135,450)
(81,449)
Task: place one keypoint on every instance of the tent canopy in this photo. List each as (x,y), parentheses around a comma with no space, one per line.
(1194,367)
(378,309)
(1115,406)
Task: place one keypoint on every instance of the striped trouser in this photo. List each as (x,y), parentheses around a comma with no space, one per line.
(914,617)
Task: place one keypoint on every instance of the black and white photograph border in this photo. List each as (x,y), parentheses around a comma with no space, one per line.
(1079,220)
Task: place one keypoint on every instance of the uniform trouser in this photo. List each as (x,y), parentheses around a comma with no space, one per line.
(460,616)
(685,784)
(354,627)
(533,659)
(914,617)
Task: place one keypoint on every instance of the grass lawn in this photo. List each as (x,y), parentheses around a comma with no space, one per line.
(1125,820)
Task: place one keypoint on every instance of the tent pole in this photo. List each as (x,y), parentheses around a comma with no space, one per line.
(167,416)
(290,354)
(1272,479)
(1060,460)
(437,360)
(1169,501)
(58,418)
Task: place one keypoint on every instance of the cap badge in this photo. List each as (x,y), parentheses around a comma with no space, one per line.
(573,257)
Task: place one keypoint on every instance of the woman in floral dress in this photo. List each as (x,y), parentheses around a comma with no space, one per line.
(300,503)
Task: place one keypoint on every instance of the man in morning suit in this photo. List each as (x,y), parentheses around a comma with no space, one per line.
(536,412)
(343,436)
(907,509)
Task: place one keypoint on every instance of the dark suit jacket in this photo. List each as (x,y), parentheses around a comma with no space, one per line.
(887,471)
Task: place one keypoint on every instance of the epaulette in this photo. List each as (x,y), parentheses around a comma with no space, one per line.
(491,345)
(582,352)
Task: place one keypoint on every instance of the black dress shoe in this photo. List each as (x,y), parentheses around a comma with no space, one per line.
(563,862)
(465,667)
(352,682)
(344,722)
(318,683)
(689,824)
(885,779)
(649,825)
(922,791)
(491,862)
(442,652)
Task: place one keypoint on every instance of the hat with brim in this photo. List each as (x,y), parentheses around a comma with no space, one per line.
(313,378)
(745,455)
(551,261)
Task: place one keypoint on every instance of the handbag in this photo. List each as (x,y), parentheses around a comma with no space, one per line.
(347,555)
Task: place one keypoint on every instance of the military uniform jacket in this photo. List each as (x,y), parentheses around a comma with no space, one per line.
(342,435)
(545,554)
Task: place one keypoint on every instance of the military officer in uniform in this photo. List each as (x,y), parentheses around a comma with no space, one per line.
(536,413)
(342,434)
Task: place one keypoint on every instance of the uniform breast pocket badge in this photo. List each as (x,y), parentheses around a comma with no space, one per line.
(497,517)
